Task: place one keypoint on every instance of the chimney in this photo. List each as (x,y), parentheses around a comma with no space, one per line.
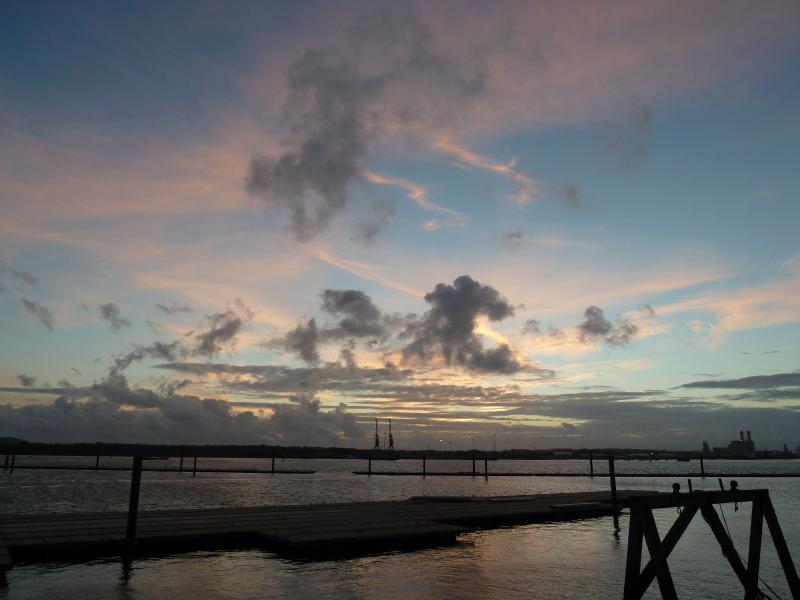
(741,434)
(749,439)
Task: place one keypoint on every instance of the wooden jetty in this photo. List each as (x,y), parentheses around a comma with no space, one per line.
(309,529)
(643,530)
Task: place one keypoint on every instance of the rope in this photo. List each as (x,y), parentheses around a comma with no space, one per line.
(744,562)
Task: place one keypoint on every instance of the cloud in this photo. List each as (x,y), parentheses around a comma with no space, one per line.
(532,327)
(174,308)
(158,350)
(359,318)
(111,411)
(511,239)
(448,329)
(25,277)
(382,213)
(626,140)
(40,312)
(302,341)
(527,189)
(26,380)
(222,330)
(110,312)
(571,194)
(419,195)
(597,327)
(338,103)
(754,382)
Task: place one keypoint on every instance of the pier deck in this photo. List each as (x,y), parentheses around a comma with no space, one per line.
(304,528)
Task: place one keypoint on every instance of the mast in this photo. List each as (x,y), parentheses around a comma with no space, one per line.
(377,437)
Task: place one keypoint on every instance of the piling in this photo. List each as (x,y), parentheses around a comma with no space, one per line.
(369,466)
(424,469)
(133,503)
(97,463)
(194,468)
(273,464)
(689,481)
(5,464)
(614,501)
(486,468)
(473,465)
(180,466)
(591,465)
(702,468)
(13,460)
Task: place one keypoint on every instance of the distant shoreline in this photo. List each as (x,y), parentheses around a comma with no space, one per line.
(22,447)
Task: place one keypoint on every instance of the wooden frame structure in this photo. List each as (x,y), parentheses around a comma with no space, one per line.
(642,528)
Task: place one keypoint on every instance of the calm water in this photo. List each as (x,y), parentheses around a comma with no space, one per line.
(583,559)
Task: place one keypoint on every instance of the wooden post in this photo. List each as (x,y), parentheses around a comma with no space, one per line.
(689,481)
(180,467)
(658,556)
(424,467)
(133,502)
(97,462)
(194,468)
(591,465)
(369,466)
(780,546)
(486,468)
(754,551)
(702,468)
(5,464)
(633,561)
(473,464)
(613,480)
(273,464)
(13,460)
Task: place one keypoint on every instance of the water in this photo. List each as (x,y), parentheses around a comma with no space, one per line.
(584,559)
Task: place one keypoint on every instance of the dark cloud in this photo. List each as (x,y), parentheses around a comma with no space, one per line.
(302,341)
(111,411)
(597,327)
(40,312)
(337,104)
(174,308)
(158,350)
(627,140)
(382,213)
(532,327)
(511,239)
(26,380)
(753,382)
(110,312)
(448,328)
(25,277)
(571,195)
(361,318)
(221,330)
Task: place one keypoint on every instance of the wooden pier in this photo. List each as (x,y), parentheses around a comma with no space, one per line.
(308,529)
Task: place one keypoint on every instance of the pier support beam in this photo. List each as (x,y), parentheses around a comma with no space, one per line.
(643,527)
(591,465)
(424,467)
(133,502)
(614,500)
(194,468)
(273,464)
(702,468)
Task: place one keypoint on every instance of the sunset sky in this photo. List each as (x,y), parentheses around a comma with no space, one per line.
(563,224)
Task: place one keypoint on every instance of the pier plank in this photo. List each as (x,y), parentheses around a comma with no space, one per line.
(304,527)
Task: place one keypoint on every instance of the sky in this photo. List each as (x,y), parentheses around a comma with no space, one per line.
(548,224)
